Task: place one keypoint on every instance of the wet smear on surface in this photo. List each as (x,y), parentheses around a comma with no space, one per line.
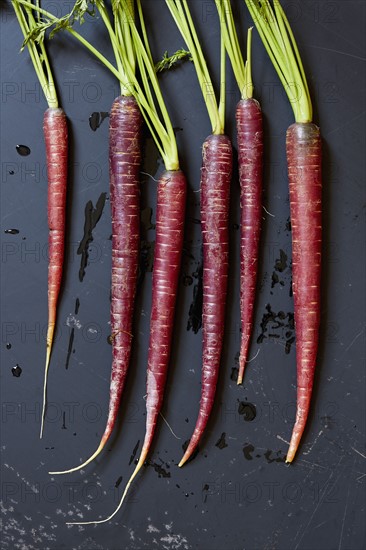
(118,482)
(133,456)
(205,488)
(16,371)
(187,280)
(281,262)
(23,150)
(194,454)
(160,470)
(146,215)
(247,450)
(195,309)
(279,267)
(92,217)
(247,410)
(69,349)
(288,225)
(11,231)
(234,374)
(278,458)
(221,443)
(146,264)
(278,326)
(288,344)
(96,119)
(77,305)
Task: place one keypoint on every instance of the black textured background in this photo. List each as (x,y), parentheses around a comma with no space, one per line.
(237,493)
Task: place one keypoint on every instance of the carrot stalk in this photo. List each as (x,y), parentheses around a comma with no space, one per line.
(215,192)
(124,160)
(303,147)
(250,156)
(250,159)
(215,197)
(170,215)
(56,141)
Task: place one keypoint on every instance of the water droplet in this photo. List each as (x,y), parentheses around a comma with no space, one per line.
(11,231)
(11,172)
(96,119)
(16,371)
(8,345)
(23,150)
(248,410)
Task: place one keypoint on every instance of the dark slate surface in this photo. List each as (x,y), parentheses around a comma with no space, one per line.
(237,493)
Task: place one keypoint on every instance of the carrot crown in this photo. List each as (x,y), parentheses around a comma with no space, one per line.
(129,50)
(242,71)
(37,51)
(183,19)
(278,39)
(118,34)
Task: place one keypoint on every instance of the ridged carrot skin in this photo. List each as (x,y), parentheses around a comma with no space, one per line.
(250,156)
(303,145)
(124,171)
(170,215)
(56,141)
(125,125)
(215,198)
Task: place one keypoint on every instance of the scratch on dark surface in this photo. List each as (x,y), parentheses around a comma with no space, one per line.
(354,340)
(321,499)
(358,452)
(313,444)
(345,514)
(337,51)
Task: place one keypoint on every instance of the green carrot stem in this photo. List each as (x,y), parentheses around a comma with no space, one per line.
(278,39)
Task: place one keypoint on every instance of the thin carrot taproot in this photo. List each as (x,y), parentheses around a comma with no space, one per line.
(56,140)
(303,147)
